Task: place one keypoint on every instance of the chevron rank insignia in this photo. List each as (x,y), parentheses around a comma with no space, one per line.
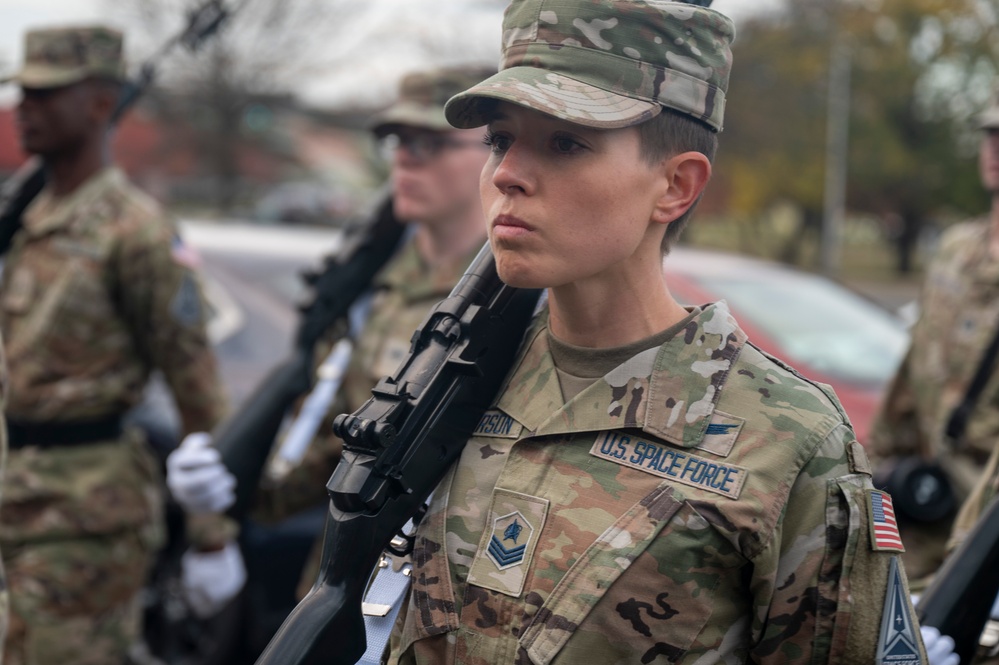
(508,545)
(899,641)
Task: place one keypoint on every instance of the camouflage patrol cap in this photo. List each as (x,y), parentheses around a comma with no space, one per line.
(607,63)
(422,96)
(989,118)
(54,57)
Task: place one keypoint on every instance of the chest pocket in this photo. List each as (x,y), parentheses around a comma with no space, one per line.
(71,309)
(623,600)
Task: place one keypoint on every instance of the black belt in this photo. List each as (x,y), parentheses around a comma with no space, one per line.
(52,434)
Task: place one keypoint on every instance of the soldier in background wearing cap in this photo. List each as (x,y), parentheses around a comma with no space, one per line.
(435,173)
(959,317)
(95,294)
(649,486)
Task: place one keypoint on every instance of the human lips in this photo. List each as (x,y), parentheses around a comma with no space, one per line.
(510,226)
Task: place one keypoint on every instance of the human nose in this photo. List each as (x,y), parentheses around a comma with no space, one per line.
(512,170)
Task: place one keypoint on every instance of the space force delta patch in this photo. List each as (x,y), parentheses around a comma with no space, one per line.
(661,460)
(898,643)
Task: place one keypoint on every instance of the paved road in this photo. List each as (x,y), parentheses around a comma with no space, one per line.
(255,273)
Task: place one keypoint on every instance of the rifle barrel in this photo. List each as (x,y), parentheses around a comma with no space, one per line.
(959,600)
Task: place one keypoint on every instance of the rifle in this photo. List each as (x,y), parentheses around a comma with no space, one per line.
(959,600)
(23,186)
(397,447)
(245,438)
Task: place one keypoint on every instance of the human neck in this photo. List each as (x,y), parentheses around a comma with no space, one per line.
(612,313)
(67,171)
(444,241)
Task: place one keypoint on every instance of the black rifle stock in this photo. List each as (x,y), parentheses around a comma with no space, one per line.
(245,438)
(397,447)
(24,185)
(959,600)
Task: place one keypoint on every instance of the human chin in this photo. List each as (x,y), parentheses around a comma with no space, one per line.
(516,270)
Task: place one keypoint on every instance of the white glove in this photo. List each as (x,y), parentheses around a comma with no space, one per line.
(939,648)
(211,579)
(197,478)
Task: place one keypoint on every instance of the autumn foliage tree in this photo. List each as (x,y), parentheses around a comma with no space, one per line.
(920,70)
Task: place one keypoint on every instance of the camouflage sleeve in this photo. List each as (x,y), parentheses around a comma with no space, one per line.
(4,600)
(977,501)
(284,492)
(895,431)
(825,589)
(162,301)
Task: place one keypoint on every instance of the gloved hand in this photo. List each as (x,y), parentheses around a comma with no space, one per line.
(212,579)
(939,648)
(197,478)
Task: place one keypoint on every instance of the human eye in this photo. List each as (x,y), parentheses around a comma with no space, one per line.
(497,142)
(566,144)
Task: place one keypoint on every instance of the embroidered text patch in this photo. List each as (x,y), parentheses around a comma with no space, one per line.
(496,424)
(661,460)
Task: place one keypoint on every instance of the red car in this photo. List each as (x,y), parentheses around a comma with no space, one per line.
(825,331)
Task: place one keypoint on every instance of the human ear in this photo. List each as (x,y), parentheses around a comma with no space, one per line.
(102,98)
(686,175)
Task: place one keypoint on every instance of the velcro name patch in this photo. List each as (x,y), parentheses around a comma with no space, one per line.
(498,425)
(661,460)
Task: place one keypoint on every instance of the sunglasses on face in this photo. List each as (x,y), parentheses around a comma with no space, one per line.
(424,146)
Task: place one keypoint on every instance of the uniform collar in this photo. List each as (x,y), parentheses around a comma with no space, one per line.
(669,392)
(48,213)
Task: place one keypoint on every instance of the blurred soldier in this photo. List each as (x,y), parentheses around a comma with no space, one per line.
(435,175)
(4,598)
(95,294)
(959,319)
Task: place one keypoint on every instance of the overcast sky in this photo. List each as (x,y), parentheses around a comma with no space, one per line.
(373,72)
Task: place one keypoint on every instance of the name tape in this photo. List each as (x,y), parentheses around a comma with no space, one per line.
(660,460)
(497,424)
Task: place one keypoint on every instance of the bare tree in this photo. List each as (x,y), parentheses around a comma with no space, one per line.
(266,49)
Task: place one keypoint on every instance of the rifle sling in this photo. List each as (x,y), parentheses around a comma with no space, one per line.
(958,421)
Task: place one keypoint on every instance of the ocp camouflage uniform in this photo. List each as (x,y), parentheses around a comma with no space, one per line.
(959,315)
(95,295)
(4,597)
(984,492)
(699,503)
(403,293)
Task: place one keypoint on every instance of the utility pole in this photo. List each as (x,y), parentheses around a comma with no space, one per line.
(837,140)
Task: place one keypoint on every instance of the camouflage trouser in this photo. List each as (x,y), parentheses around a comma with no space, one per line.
(75,602)
(78,529)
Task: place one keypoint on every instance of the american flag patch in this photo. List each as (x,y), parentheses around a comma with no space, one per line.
(183,254)
(884,528)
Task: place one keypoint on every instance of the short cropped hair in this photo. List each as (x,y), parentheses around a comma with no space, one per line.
(671,133)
